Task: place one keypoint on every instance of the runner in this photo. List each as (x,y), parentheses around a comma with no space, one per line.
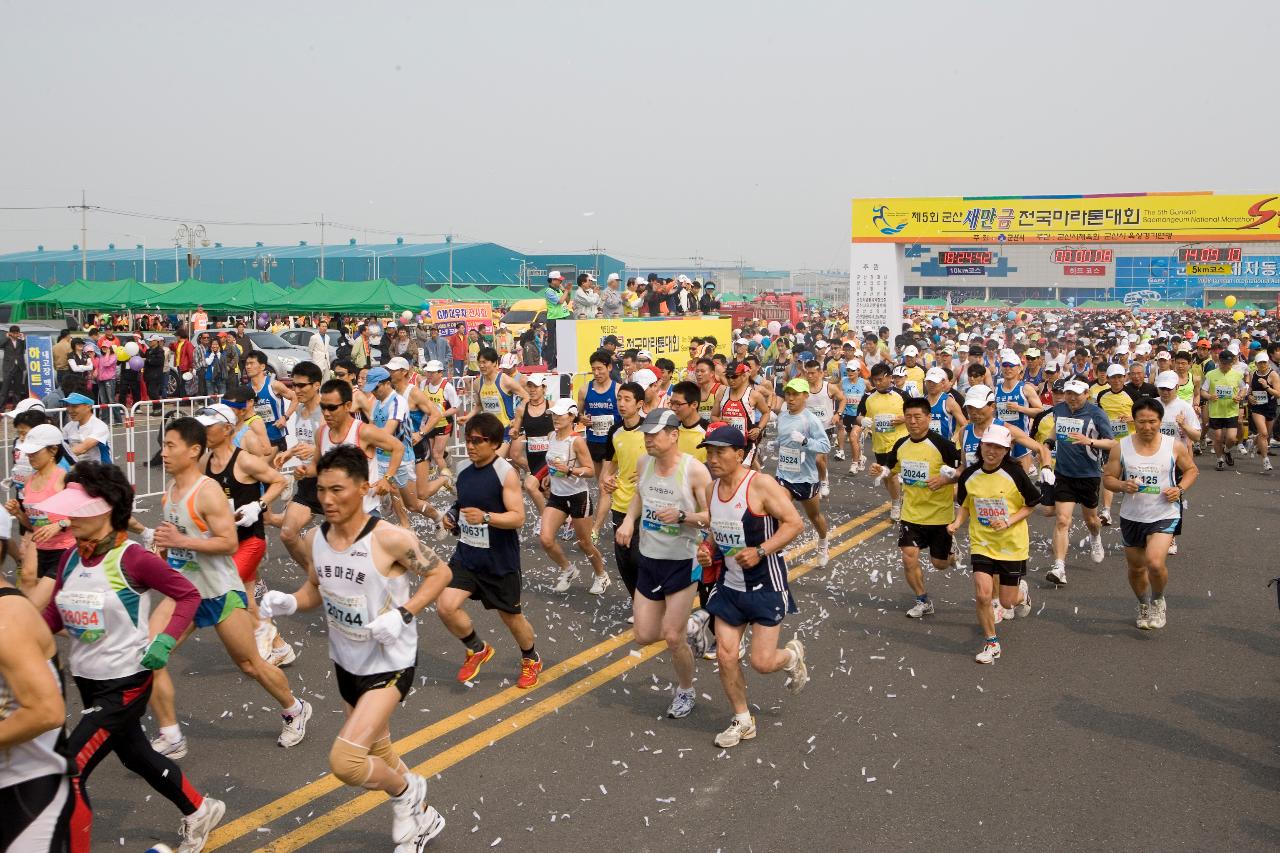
(1223,390)
(883,408)
(670,507)
(250,484)
(826,401)
(487,517)
(927,464)
(84,434)
(743,407)
(359,568)
(297,461)
(709,387)
(1016,404)
(913,373)
(390,413)
(598,403)
(566,472)
(198,534)
(530,432)
(802,443)
(979,405)
(38,571)
(946,415)
(1081,431)
(1264,388)
(251,429)
(752,521)
(273,401)
(854,388)
(101,602)
(1154,471)
(493,392)
(336,407)
(618,477)
(685,402)
(424,414)
(1116,403)
(445,397)
(35,791)
(996,496)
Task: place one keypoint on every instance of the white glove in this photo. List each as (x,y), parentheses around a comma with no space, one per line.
(276,603)
(947,471)
(1047,476)
(797,436)
(884,473)
(249,514)
(149,538)
(387,627)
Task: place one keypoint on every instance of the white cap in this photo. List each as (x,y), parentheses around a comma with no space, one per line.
(644,355)
(1163,354)
(591,277)
(218,413)
(1076,386)
(910,350)
(398,363)
(1184,346)
(1234,346)
(900,370)
(435,366)
(564,406)
(821,345)
(740,342)
(1142,348)
(613,276)
(978,396)
(555,274)
(1133,337)
(1010,360)
(935,374)
(24,405)
(1122,348)
(644,378)
(508,361)
(1167,379)
(853,364)
(998,434)
(539,379)
(1116,370)
(38,438)
(1261,358)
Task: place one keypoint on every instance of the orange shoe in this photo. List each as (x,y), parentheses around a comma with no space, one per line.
(475,660)
(529,670)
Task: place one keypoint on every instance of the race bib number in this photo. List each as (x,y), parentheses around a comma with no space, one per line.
(559,459)
(915,472)
(180,558)
(651,522)
(347,614)
(970,457)
(883,423)
(475,535)
(789,459)
(852,402)
(491,403)
(1005,412)
(935,424)
(1261,398)
(83,614)
(1148,479)
(740,424)
(1223,392)
(263,410)
(1068,426)
(601,424)
(1169,428)
(991,510)
(1119,427)
(729,535)
(537,443)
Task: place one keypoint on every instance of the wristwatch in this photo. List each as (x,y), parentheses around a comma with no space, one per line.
(681,517)
(760,552)
(64,523)
(486,518)
(405,615)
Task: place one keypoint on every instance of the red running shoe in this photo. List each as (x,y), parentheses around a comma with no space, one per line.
(475,660)
(529,670)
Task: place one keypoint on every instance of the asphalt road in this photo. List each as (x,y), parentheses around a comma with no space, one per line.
(1086,733)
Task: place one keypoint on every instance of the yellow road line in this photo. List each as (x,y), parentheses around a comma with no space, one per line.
(366,802)
(328,783)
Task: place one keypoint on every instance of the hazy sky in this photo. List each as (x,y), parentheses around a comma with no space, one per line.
(663,130)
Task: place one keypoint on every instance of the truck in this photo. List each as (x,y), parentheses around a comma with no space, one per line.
(786,308)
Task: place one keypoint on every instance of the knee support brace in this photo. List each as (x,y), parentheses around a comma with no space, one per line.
(350,762)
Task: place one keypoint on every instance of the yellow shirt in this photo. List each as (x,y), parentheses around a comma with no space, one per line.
(689,440)
(917,461)
(1046,433)
(998,494)
(1116,407)
(626,448)
(914,386)
(879,408)
(491,400)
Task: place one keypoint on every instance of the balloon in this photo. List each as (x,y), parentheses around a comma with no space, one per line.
(1230,302)
(1012,315)
(406,316)
(135,363)
(131,348)
(937,322)
(121,355)
(1238,316)
(426,305)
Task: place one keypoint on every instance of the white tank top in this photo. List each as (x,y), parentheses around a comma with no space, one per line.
(352,439)
(105,617)
(1154,474)
(561,450)
(660,541)
(33,758)
(213,574)
(303,429)
(821,404)
(355,593)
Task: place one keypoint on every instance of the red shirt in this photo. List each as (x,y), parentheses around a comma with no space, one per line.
(458,345)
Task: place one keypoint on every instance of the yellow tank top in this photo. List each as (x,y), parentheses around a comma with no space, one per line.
(491,401)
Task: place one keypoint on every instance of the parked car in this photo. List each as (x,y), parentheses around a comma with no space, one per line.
(281,355)
(523,314)
(301,337)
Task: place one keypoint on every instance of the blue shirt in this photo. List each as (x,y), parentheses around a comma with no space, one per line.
(798,461)
(1079,460)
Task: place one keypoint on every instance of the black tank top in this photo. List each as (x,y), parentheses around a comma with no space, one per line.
(538,425)
(239,493)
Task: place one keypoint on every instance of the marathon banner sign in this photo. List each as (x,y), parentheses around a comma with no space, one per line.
(669,338)
(448,316)
(40,377)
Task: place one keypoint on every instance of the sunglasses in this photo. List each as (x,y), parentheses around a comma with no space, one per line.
(477,439)
(332,407)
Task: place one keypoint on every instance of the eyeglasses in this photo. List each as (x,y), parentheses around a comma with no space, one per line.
(332,407)
(476,439)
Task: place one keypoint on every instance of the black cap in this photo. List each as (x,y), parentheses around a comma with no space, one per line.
(1060,386)
(653,276)
(975,349)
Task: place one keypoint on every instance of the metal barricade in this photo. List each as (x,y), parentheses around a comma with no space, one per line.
(145,435)
(456,449)
(114,415)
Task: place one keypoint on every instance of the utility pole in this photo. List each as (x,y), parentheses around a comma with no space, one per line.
(321,245)
(448,238)
(84,238)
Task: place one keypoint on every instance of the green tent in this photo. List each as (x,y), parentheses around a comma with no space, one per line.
(105,295)
(371,297)
(734,297)
(20,290)
(232,296)
(918,302)
(1043,304)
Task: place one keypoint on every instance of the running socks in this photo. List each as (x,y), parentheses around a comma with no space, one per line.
(530,653)
(293,710)
(473,643)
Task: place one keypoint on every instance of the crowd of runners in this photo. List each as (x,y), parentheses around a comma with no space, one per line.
(395,489)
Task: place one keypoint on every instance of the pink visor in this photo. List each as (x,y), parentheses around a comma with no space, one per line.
(74,502)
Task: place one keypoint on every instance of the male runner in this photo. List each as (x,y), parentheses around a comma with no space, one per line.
(341,427)
(424,414)
(1116,403)
(882,411)
(273,401)
(251,431)
(390,413)
(303,429)
(198,538)
(946,415)
(927,465)
(825,401)
(1154,471)
(494,392)
(669,506)
(854,387)
(752,521)
(598,403)
(1224,389)
(359,568)
(487,517)
(743,407)
(1082,430)
(802,444)
(445,397)
(1016,403)
(618,476)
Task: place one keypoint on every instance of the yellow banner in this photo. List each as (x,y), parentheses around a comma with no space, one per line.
(447,316)
(1106,219)
(1210,269)
(662,338)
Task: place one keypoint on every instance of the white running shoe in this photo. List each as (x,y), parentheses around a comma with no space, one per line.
(172,749)
(282,656)
(1173,547)
(566,579)
(1057,575)
(295,727)
(824,489)
(1023,607)
(566,531)
(195,828)
(920,609)
(1096,551)
(997,611)
(1104,515)
(824,553)
(989,653)
(839,453)
(1144,616)
(537,528)
(682,703)
(895,512)
(265,637)
(599,583)
(1266,464)
(853,467)
(799,670)
(428,824)
(712,652)
(1159,613)
(736,733)
(407,807)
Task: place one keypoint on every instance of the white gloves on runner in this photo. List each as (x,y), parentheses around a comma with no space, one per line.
(276,603)
(387,627)
(249,514)
(149,538)
(948,472)
(797,436)
(1047,476)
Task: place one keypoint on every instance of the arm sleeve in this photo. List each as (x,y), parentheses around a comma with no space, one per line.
(862,406)
(892,462)
(961,491)
(147,571)
(946,449)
